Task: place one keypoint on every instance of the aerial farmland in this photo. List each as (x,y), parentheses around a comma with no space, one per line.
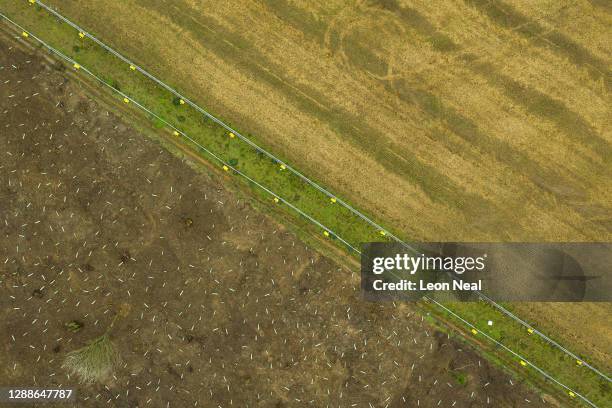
(491,120)
(187,187)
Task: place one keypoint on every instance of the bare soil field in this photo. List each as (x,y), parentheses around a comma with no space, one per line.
(454,120)
(213,303)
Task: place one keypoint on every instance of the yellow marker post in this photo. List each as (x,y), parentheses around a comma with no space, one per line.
(175,133)
(326,233)
(81,35)
(579,362)
(126,100)
(524,364)
(474,331)
(32,1)
(182,102)
(225,168)
(383,233)
(276,199)
(231,135)
(571,394)
(283,167)
(133,68)
(333,200)
(530,331)
(24,34)
(76,66)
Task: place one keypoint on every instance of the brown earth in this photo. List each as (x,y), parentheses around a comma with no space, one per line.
(217,304)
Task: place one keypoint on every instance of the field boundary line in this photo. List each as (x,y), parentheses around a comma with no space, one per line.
(312,183)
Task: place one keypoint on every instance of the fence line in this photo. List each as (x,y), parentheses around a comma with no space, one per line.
(169,125)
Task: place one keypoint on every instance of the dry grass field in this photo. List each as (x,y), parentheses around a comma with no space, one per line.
(454,120)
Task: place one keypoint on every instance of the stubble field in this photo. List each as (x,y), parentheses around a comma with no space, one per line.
(459,121)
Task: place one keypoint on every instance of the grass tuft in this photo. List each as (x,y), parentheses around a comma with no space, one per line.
(95,362)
